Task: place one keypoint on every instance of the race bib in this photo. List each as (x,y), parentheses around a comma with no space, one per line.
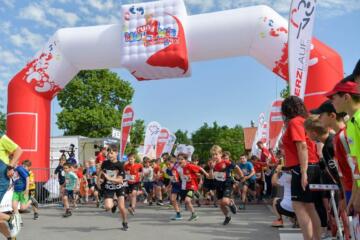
(220,176)
(185,178)
(129,177)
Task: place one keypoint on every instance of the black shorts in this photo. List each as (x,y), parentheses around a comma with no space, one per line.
(283,211)
(134,186)
(223,189)
(148,186)
(209,184)
(186,193)
(111,193)
(70,194)
(251,184)
(166,182)
(297,193)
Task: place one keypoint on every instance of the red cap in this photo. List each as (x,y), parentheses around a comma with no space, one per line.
(345,87)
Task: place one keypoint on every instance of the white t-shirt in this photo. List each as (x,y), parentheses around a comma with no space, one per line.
(148,174)
(285,181)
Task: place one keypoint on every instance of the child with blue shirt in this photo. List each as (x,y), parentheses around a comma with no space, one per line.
(21,190)
(249,180)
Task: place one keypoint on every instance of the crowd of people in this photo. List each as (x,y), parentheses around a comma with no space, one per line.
(320,147)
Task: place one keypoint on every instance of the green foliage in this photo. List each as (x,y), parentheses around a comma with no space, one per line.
(285,92)
(92,103)
(2,122)
(137,135)
(182,137)
(229,139)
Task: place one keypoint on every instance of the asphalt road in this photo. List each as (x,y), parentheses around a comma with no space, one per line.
(153,223)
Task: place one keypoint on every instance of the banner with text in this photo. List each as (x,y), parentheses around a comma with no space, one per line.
(126,124)
(162,140)
(301,22)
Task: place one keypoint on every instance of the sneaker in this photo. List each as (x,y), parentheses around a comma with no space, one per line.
(34,202)
(125,226)
(193,217)
(36,216)
(13,226)
(131,211)
(113,209)
(159,203)
(242,206)
(227,220)
(233,208)
(67,214)
(145,201)
(278,223)
(150,203)
(176,218)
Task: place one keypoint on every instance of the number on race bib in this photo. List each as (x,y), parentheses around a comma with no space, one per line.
(220,176)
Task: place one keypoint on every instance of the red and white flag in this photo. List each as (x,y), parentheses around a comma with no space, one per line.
(151,135)
(301,22)
(275,122)
(126,124)
(170,144)
(161,142)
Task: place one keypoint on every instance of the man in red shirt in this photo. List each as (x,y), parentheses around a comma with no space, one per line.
(189,184)
(133,175)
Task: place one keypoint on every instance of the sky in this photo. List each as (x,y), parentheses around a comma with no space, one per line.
(230,91)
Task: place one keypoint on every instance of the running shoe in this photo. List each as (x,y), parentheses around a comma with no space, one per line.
(36,216)
(67,214)
(113,209)
(233,208)
(227,220)
(176,218)
(278,223)
(242,206)
(125,226)
(159,203)
(193,217)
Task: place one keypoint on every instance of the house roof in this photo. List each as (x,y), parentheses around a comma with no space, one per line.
(249,136)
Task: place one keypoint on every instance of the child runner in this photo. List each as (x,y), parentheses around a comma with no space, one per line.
(249,180)
(71,186)
(32,191)
(148,179)
(175,186)
(209,185)
(21,190)
(189,182)
(158,182)
(133,172)
(112,171)
(221,170)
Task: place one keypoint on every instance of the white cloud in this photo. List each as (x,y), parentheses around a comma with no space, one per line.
(8,57)
(70,18)
(5,27)
(101,5)
(2,86)
(27,38)
(8,3)
(36,13)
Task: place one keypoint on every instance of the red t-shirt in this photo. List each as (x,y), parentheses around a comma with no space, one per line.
(190,176)
(134,170)
(79,173)
(295,132)
(100,158)
(159,173)
(266,154)
(340,156)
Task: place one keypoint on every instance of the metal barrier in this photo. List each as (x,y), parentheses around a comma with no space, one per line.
(47,193)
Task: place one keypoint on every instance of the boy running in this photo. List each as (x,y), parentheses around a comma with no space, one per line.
(175,186)
(221,170)
(71,186)
(133,173)
(112,171)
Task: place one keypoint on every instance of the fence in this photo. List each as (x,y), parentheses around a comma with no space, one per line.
(48,192)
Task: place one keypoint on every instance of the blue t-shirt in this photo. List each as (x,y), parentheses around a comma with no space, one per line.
(247,168)
(19,178)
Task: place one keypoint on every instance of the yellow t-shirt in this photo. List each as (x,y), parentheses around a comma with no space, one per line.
(32,185)
(7,146)
(353,135)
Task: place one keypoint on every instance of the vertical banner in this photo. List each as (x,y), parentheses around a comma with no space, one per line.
(126,123)
(170,143)
(151,135)
(301,22)
(254,149)
(275,123)
(161,142)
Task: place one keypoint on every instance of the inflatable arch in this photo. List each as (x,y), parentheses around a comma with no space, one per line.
(154,40)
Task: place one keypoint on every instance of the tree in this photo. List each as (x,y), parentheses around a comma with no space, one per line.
(285,92)
(92,103)
(2,122)
(229,139)
(182,137)
(137,135)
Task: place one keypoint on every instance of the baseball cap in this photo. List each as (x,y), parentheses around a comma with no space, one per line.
(345,87)
(327,107)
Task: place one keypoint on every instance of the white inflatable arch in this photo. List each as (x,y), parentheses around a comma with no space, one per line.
(155,40)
